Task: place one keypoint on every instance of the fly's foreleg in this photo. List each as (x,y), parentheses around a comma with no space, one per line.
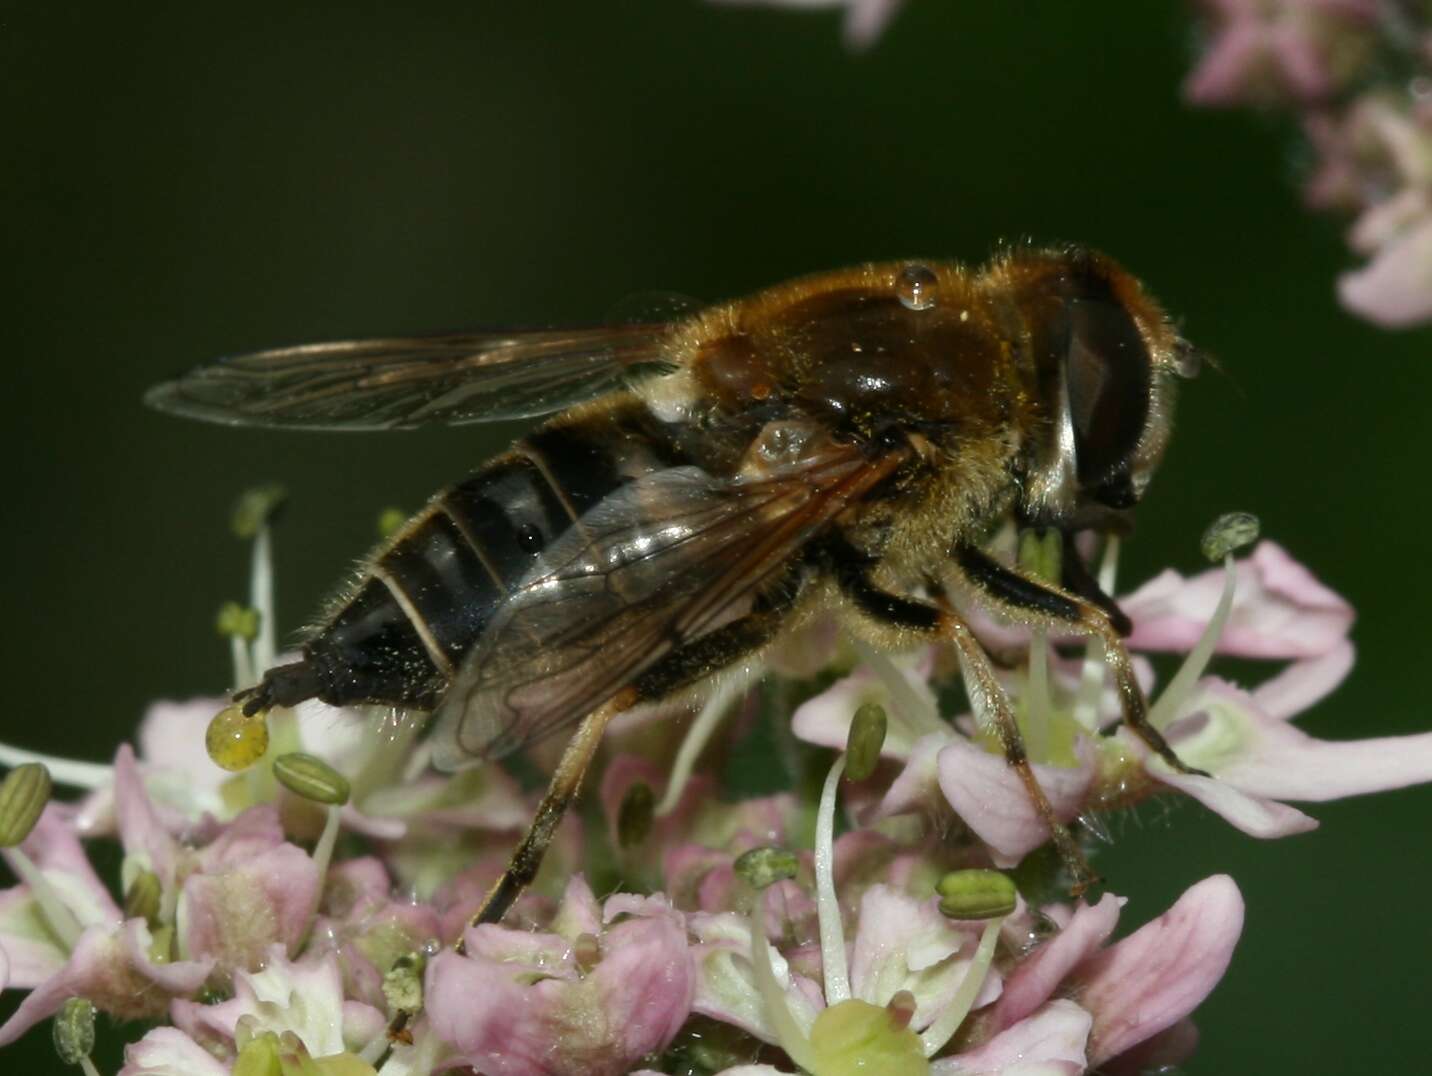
(852,573)
(1030,601)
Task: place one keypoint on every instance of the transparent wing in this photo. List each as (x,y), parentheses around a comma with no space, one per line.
(404,382)
(663,561)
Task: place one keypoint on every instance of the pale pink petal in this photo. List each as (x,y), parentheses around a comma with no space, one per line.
(55,848)
(1226,67)
(1394,290)
(917,786)
(1279,610)
(167,1051)
(601,1022)
(112,969)
(1160,1053)
(1228,735)
(1036,977)
(142,832)
(1304,683)
(1050,1042)
(987,794)
(234,915)
(1163,971)
(1254,815)
(865,20)
(824,719)
(251,834)
(906,944)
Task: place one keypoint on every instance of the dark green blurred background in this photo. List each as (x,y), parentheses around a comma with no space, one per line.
(183,181)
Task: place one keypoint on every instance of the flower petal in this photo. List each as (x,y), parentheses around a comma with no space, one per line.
(1160,973)
(1036,977)
(167,1051)
(1279,609)
(1051,1042)
(987,794)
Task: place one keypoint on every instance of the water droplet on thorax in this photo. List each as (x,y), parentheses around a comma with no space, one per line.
(916,286)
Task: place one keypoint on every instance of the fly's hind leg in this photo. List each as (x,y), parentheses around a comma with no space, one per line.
(939,622)
(1033,602)
(686,665)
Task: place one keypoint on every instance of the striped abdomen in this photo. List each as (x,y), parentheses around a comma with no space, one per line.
(428,595)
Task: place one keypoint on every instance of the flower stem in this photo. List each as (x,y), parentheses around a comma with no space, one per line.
(832,936)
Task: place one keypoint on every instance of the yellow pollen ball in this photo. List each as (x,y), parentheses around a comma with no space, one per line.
(234,740)
(856,1038)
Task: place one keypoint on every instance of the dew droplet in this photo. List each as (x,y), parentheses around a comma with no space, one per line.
(916,287)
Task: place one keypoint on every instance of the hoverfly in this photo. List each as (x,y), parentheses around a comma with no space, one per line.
(847,440)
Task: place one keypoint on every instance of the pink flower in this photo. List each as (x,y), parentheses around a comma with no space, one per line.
(72,941)
(1279,610)
(610,984)
(1268,50)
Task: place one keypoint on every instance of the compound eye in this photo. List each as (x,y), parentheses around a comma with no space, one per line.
(1110,379)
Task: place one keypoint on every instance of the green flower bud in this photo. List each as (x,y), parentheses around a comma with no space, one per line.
(976,894)
(864,741)
(23,795)
(1229,532)
(74,1031)
(141,899)
(636,814)
(312,778)
(236,619)
(761,867)
(1041,553)
(390,521)
(255,507)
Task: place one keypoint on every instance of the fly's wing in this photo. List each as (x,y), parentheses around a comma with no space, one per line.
(403,382)
(661,562)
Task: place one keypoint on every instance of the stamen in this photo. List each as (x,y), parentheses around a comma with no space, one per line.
(1091,676)
(918,712)
(63,771)
(832,934)
(1166,708)
(61,920)
(698,736)
(1039,708)
(934,1037)
(788,1033)
(265,646)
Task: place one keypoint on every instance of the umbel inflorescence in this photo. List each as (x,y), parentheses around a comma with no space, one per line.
(298,917)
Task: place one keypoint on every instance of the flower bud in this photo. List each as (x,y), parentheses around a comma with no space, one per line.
(256,507)
(390,521)
(236,619)
(234,740)
(1041,553)
(142,898)
(23,795)
(74,1031)
(1228,533)
(761,867)
(976,894)
(864,741)
(312,778)
(635,815)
